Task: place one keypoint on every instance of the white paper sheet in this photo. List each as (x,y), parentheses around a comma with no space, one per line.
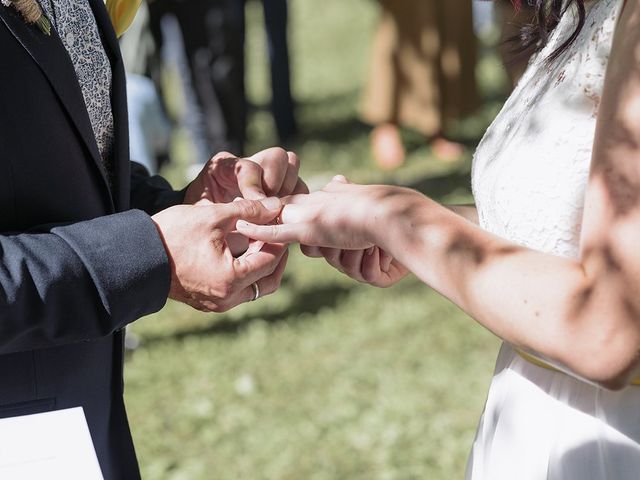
(53,445)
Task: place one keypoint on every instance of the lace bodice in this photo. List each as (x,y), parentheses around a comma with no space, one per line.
(531,168)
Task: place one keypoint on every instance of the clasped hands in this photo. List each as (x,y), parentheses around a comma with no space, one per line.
(216,244)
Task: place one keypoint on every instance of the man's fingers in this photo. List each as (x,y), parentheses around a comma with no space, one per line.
(238,244)
(262,212)
(291,176)
(249,176)
(245,292)
(300,188)
(266,285)
(251,267)
(274,162)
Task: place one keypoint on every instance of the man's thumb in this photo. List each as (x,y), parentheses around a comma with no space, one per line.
(259,212)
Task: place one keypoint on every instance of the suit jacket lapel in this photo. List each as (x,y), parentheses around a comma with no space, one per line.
(121,165)
(52,58)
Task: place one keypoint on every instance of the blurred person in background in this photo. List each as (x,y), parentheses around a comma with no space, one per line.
(149,127)
(201,43)
(200,57)
(422,75)
(276,19)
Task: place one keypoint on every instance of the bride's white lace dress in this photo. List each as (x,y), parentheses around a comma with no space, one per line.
(529,176)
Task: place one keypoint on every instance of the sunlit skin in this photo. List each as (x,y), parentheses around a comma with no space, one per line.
(582,315)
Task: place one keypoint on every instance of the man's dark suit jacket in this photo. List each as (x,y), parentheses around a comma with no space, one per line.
(77,263)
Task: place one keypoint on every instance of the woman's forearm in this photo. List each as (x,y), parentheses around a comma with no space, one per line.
(539,302)
(468,212)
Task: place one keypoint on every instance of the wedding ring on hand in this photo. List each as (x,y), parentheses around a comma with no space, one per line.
(256,291)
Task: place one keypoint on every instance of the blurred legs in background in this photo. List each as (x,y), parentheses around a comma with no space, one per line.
(201,48)
(276,17)
(149,127)
(282,106)
(201,45)
(422,75)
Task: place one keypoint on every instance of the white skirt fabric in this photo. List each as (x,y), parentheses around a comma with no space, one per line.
(540,424)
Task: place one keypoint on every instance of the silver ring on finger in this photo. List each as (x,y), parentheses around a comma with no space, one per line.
(256,291)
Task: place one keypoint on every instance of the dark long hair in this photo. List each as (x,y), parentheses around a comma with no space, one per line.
(547,15)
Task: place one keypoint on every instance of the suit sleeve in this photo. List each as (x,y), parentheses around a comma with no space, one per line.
(152,193)
(80,281)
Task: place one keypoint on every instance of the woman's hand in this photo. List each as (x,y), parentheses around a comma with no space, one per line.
(341,215)
(372,265)
(340,223)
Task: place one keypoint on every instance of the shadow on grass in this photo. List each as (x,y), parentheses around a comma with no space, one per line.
(332,119)
(305,303)
(338,132)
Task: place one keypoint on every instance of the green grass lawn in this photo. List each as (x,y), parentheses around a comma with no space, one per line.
(327,379)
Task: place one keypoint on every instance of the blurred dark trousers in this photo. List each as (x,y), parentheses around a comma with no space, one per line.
(276,21)
(213,48)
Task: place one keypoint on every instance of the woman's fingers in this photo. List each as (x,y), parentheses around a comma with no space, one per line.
(263,211)
(332,256)
(371,265)
(293,214)
(310,251)
(337,184)
(288,233)
(351,262)
(340,179)
(298,199)
(385,261)
(348,262)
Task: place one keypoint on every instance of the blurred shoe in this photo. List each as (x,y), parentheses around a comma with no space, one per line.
(446,150)
(387,148)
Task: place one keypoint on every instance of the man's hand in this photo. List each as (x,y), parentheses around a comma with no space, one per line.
(204,272)
(271,172)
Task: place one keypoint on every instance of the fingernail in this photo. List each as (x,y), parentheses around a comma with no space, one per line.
(272,203)
(242,224)
(369,250)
